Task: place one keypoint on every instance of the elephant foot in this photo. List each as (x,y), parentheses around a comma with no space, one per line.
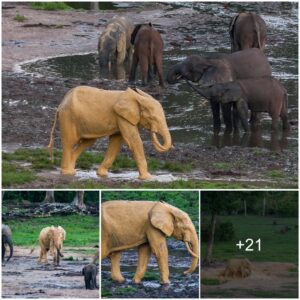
(69,172)
(102,172)
(145,176)
(136,280)
(118,278)
(165,282)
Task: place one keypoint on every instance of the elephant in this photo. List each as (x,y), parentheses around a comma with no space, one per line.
(51,238)
(87,113)
(96,257)
(148,52)
(237,268)
(248,63)
(264,94)
(114,42)
(90,276)
(7,240)
(145,225)
(247,30)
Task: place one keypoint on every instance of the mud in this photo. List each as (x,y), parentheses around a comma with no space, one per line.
(181,286)
(266,278)
(45,280)
(29,99)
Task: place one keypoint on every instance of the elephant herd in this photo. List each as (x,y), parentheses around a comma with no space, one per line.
(51,239)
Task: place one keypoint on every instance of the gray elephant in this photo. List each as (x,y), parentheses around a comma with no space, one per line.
(7,240)
(247,30)
(249,63)
(114,43)
(264,94)
(90,276)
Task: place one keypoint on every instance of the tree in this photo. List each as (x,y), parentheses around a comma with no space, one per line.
(49,198)
(78,200)
(94,6)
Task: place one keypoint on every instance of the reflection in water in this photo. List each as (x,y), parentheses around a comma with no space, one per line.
(277,142)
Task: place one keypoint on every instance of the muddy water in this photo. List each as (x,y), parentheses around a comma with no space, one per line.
(181,286)
(189,119)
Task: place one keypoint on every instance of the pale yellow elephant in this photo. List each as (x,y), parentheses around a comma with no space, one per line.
(145,225)
(88,113)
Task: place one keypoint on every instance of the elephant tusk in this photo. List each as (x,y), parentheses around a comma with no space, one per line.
(179,77)
(190,250)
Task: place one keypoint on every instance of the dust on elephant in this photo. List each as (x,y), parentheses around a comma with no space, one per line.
(145,224)
(247,30)
(90,276)
(237,268)
(249,63)
(88,113)
(148,52)
(114,42)
(51,238)
(264,94)
(7,240)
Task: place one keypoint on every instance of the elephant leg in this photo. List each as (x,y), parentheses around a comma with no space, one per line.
(116,275)
(235,118)
(132,138)
(83,144)
(114,145)
(144,253)
(215,108)
(275,121)
(242,108)
(160,250)
(3,251)
(158,66)
(144,69)
(285,122)
(227,116)
(135,61)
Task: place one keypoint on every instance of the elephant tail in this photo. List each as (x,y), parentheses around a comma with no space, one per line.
(51,142)
(257,29)
(33,247)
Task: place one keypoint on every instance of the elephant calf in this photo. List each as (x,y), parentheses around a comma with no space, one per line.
(7,240)
(264,94)
(90,276)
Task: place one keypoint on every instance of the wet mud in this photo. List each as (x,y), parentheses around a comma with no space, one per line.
(45,280)
(181,286)
(33,90)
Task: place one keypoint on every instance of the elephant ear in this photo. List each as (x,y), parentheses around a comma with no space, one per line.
(127,107)
(162,219)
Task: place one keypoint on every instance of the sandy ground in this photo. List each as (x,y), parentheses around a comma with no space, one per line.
(266,276)
(23,277)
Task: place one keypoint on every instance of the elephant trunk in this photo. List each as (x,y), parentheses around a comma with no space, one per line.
(193,249)
(166,138)
(11,247)
(174,74)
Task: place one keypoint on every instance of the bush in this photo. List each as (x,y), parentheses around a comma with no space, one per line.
(224,231)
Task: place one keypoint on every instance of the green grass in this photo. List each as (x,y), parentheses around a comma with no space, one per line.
(151,276)
(275,247)
(20,18)
(82,231)
(276,174)
(50,6)
(14,174)
(210,281)
(222,166)
(105,293)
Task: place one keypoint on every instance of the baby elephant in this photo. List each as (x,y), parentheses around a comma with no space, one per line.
(7,240)
(265,94)
(90,276)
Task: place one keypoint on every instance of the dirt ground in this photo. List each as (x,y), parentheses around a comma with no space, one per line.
(266,277)
(29,102)
(23,277)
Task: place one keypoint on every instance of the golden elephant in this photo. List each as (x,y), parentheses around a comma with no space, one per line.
(87,113)
(145,225)
(51,238)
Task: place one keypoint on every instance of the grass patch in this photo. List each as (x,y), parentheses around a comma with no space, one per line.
(20,18)
(105,293)
(82,231)
(50,6)
(14,174)
(222,166)
(210,281)
(70,258)
(151,276)
(276,174)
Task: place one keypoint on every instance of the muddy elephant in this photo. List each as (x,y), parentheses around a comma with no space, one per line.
(145,225)
(264,94)
(247,30)
(249,63)
(7,240)
(114,43)
(90,276)
(148,53)
(237,268)
(51,238)
(88,113)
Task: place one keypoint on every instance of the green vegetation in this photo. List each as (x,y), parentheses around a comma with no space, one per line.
(151,276)
(20,18)
(275,246)
(276,174)
(105,293)
(82,231)
(211,281)
(222,166)
(50,5)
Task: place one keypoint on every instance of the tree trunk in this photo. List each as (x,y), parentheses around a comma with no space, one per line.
(94,6)
(78,199)
(49,198)
(210,243)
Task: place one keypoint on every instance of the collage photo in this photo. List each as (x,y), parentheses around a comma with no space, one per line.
(166,130)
